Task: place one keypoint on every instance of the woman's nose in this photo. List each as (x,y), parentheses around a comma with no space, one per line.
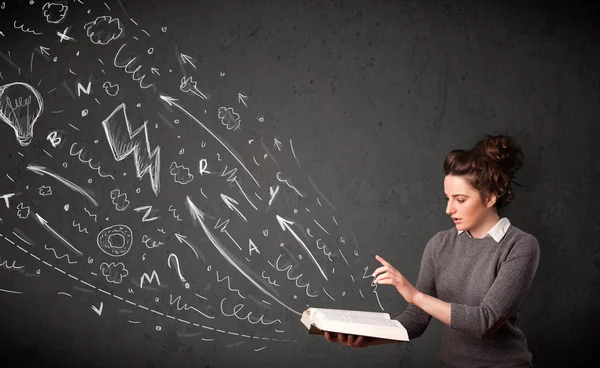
(448,209)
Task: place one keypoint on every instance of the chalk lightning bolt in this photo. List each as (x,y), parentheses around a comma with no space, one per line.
(124,141)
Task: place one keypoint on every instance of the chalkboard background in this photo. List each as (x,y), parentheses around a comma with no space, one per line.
(202,171)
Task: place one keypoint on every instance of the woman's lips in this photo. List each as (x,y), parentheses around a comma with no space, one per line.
(456,221)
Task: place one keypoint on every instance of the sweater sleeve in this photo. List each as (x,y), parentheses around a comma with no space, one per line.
(414,319)
(514,278)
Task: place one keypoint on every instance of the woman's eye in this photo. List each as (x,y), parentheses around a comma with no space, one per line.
(460,200)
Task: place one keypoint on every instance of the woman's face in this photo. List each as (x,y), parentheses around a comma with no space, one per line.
(464,203)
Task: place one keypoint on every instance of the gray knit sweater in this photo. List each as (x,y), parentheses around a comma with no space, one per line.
(485,282)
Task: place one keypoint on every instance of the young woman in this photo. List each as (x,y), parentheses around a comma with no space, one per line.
(473,276)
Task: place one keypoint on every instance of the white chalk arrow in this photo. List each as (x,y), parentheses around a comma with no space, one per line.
(171,102)
(154,71)
(98,310)
(242,99)
(168,99)
(198,215)
(44,223)
(44,50)
(183,240)
(187,59)
(230,202)
(277,144)
(285,225)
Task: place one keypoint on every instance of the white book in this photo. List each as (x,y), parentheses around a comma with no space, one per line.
(360,323)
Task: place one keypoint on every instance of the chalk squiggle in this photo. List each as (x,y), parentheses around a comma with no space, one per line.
(61,257)
(78,226)
(239,307)
(288,268)
(90,214)
(365,276)
(5,265)
(229,285)
(185,306)
(268,279)
(172,209)
(131,61)
(26,30)
(89,162)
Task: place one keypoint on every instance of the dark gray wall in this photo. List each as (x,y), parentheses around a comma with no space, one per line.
(371,95)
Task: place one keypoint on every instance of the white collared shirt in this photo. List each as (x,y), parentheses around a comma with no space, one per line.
(498,231)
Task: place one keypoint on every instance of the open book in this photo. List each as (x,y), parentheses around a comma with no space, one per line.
(372,324)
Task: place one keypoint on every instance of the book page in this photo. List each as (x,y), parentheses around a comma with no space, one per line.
(356,319)
(334,312)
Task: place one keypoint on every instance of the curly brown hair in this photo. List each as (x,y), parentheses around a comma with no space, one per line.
(489,167)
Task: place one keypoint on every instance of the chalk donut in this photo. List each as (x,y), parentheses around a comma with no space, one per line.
(105,243)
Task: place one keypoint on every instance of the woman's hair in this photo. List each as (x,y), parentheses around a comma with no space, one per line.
(489,167)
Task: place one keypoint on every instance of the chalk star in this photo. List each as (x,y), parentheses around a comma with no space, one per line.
(63,36)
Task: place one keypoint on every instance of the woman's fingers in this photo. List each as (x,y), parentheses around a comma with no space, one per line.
(379,270)
(382,261)
(329,337)
(359,340)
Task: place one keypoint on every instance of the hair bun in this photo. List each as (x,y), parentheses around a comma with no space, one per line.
(490,166)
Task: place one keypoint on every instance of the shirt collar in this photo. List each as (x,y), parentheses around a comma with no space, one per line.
(498,231)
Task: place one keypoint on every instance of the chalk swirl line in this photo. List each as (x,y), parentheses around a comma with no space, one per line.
(61,257)
(89,162)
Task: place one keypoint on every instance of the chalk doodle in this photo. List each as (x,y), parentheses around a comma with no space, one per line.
(22,211)
(26,30)
(148,211)
(150,243)
(180,173)
(229,118)
(45,191)
(20,107)
(175,264)
(78,227)
(124,141)
(57,236)
(114,273)
(103,29)
(119,200)
(110,89)
(107,237)
(126,64)
(175,216)
(95,217)
(54,139)
(41,170)
(55,12)
(56,255)
(79,155)
(188,85)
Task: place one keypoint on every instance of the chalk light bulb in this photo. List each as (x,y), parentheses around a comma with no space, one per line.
(20,107)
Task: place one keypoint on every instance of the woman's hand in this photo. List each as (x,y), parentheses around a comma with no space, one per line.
(387,274)
(349,340)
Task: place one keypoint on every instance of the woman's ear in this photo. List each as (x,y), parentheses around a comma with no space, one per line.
(491,200)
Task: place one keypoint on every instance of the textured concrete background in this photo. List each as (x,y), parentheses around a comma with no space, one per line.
(374,94)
